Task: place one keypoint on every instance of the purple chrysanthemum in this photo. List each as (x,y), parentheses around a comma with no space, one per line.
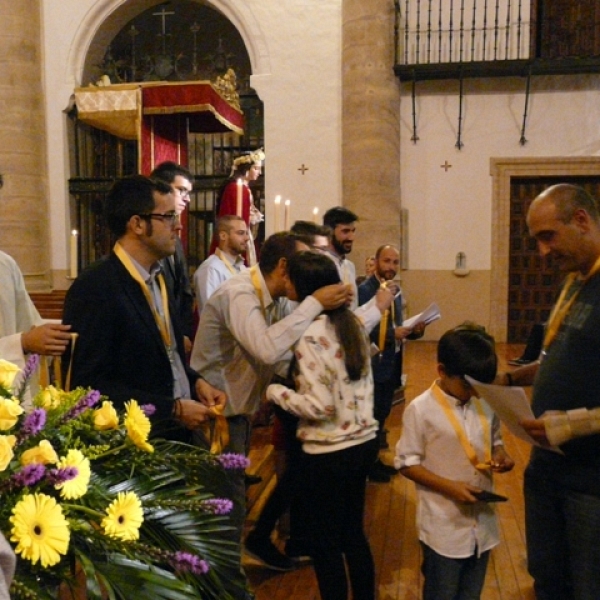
(218,506)
(31,365)
(29,475)
(231,460)
(33,423)
(56,476)
(186,562)
(148,409)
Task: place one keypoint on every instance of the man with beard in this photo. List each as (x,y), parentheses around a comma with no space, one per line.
(342,223)
(388,336)
(232,236)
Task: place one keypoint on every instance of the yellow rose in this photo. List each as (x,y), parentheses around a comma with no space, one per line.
(7,443)
(42,454)
(106,417)
(48,398)
(8,372)
(10,410)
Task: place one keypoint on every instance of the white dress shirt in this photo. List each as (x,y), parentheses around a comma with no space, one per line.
(428,438)
(236,348)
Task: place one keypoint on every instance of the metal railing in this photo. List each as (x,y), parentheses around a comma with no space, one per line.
(460,31)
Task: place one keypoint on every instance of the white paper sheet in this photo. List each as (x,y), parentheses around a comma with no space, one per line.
(431,313)
(509,403)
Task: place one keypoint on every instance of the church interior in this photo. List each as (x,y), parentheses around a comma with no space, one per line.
(436,121)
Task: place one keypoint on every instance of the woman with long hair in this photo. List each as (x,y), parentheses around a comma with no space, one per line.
(334,401)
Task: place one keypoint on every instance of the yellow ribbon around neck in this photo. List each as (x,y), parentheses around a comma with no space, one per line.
(565,302)
(384,321)
(163,323)
(225,261)
(444,403)
(255,278)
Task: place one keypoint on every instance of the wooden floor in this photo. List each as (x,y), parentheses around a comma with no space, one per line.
(390,513)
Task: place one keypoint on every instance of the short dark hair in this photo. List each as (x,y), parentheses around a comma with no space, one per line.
(307,231)
(279,245)
(569,198)
(168,170)
(468,350)
(224,222)
(130,196)
(338,215)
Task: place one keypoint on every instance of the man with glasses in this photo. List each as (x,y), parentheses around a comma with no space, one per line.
(130,343)
(175,266)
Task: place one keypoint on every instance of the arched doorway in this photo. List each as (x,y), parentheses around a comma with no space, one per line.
(176,41)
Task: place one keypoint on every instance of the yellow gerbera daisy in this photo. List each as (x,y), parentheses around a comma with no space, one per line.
(40,529)
(138,426)
(124,517)
(106,417)
(76,487)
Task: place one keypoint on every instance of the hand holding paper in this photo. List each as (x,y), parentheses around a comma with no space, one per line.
(430,314)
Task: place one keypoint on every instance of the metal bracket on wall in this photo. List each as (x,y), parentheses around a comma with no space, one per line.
(523,139)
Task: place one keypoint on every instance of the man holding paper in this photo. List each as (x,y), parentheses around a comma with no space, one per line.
(562,491)
(387,337)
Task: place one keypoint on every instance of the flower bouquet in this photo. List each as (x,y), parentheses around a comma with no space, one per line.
(84,491)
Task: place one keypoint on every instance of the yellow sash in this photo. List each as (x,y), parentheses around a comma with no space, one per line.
(460,432)
(565,302)
(225,260)
(384,321)
(258,289)
(163,323)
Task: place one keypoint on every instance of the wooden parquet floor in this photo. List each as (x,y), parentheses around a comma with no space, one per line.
(390,513)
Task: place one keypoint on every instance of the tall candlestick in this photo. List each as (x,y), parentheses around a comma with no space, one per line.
(239,198)
(286,215)
(315,215)
(277,216)
(73,254)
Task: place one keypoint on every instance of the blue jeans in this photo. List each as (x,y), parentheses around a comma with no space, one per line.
(563,539)
(452,578)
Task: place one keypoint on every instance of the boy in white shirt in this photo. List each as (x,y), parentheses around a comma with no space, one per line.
(449,447)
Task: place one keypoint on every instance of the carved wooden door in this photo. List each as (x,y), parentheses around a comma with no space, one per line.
(533,282)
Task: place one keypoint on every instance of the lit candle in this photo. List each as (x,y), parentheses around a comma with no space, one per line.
(315,215)
(238,211)
(277,217)
(286,215)
(74,254)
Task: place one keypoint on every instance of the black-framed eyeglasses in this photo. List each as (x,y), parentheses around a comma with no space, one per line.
(172,218)
(183,192)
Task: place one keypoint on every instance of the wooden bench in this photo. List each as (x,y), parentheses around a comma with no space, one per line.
(50,305)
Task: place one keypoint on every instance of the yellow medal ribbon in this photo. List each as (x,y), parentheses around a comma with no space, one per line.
(225,260)
(258,289)
(384,321)
(161,322)
(565,302)
(219,436)
(460,432)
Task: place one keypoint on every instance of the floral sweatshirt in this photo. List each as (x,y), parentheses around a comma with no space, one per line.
(335,413)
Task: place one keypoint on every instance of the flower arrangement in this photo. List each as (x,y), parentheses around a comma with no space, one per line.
(85,490)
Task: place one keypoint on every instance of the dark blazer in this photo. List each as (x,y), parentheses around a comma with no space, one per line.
(384,364)
(119,350)
(177,277)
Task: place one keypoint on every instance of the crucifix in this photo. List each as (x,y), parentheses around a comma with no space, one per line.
(163,15)
(303,168)
(446,166)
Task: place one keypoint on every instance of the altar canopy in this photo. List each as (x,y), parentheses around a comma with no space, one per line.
(158,115)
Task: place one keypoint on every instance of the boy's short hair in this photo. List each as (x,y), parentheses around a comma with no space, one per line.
(468,350)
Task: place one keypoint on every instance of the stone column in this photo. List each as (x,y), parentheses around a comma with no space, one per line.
(23,198)
(370,125)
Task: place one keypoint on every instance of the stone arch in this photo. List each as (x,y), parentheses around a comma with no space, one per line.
(105,19)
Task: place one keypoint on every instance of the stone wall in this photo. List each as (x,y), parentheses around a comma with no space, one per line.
(23,198)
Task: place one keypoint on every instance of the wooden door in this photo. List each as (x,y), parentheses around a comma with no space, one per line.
(533,282)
